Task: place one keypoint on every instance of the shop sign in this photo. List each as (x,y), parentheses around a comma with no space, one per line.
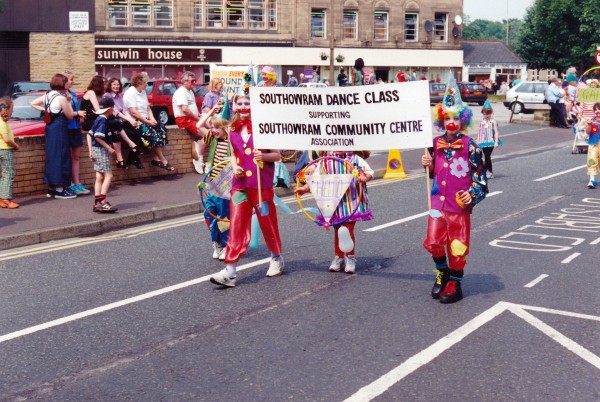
(157,55)
(79,21)
(591,95)
(232,78)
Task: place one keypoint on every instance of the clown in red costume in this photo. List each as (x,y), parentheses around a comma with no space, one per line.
(459,183)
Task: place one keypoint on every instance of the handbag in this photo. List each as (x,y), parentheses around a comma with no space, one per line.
(45,114)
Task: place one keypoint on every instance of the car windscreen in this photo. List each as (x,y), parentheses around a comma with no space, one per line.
(22,109)
(438,87)
(200,90)
(30,87)
(150,87)
(475,87)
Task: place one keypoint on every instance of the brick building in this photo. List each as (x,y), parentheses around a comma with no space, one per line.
(166,37)
(41,38)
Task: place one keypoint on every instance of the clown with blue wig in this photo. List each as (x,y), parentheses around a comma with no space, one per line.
(459,183)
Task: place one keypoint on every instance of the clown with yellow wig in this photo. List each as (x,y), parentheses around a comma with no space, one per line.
(269,77)
(459,183)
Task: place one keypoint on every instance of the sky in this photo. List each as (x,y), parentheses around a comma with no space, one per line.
(495,10)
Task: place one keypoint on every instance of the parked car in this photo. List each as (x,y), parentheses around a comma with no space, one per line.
(26,86)
(472,92)
(25,120)
(160,97)
(436,92)
(529,93)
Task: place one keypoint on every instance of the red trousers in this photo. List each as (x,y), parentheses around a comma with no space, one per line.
(350,226)
(451,231)
(241,220)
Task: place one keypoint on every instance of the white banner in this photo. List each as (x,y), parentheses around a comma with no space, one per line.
(368,117)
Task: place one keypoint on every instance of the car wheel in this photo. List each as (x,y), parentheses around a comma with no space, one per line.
(163,116)
(516,107)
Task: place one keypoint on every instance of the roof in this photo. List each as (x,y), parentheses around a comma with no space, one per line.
(488,51)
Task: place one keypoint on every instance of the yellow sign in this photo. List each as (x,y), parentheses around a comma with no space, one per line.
(591,95)
(232,78)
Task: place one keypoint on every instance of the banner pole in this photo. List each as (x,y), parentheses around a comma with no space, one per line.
(428,183)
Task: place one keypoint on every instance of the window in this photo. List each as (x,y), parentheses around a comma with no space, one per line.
(118,14)
(235,13)
(540,88)
(272,14)
(214,13)
(411,27)
(524,88)
(381,25)
(140,13)
(318,23)
(440,27)
(163,13)
(170,88)
(350,24)
(256,14)
(197,14)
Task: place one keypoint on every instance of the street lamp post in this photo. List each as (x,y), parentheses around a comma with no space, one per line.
(331,39)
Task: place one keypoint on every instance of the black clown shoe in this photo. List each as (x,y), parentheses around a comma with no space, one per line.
(440,283)
(452,293)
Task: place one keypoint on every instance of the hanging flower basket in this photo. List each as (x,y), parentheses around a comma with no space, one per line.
(340,58)
(324,56)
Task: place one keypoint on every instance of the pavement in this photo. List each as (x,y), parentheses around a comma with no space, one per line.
(131,316)
(40,219)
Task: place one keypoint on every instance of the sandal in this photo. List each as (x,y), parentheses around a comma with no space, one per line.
(168,167)
(159,164)
(121,164)
(156,163)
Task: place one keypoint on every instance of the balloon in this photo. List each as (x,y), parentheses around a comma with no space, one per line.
(254,230)
(345,241)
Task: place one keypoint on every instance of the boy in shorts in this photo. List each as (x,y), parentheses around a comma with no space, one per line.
(101,149)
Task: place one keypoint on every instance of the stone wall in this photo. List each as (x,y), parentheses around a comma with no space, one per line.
(51,53)
(30,160)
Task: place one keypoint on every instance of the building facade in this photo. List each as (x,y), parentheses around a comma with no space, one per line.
(492,60)
(41,38)
(163,38)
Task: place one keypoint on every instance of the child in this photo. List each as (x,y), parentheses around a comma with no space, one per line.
(357,160)
(244,193)
(218,142)
(7,145)
(488,137)
(459,183)
(100,146)
(593,131)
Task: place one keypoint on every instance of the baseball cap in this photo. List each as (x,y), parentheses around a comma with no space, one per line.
(105,104)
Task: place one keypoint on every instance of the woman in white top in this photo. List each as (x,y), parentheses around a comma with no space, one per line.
(153,135)
(58,145)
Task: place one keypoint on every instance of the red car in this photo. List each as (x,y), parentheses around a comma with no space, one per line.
(25,120)
(160,96)
(472,92)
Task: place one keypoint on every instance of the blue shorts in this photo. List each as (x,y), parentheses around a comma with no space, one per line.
(75,137)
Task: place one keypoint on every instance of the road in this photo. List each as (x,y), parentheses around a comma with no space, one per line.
(131,316)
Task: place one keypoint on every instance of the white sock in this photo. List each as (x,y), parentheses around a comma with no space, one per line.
(58,189)
(230,269)
(592,178)
(201,158)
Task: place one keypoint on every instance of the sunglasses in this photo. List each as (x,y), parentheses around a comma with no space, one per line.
(243,103)
(193,81)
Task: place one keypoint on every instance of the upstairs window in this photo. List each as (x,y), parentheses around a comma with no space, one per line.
(441,27)
(163,13)
(214,13)
(198,14)
(411,25)
(256,14)
(350,24)
(118,14)
(235,14)
(140,13)
(272,14)
(318,24)
(381,25)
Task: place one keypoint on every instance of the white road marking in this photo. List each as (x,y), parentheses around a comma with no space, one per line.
(382,384)
(570,258)
(536,281)
(121,303)
(560,173)
(410,218)
(596,241)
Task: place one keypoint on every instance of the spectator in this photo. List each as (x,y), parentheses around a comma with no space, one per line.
(215,86)
(7,146)
(372,78)
(400,76)
(153,134)
(184,104)
(89,103)
(75,138)
(413,77)
(269,78)
(510,83)
(503,88)
(563,95)
(302,79)
(292,81)
(58,153)
(342,78)
(357,73)
(122,126)
(553,96)
(317,74)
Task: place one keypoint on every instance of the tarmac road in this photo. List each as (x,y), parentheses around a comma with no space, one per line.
(312,335)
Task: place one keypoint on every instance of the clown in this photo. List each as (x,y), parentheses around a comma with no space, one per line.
(269,77)
(593,132)
(247,164)
(459,183)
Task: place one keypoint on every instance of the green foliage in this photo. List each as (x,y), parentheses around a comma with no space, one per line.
(559,33)
(2,5)
(491,30)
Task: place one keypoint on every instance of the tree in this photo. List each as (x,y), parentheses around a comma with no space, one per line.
(490,30)
(559,33)
(2,5)
(470,31)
